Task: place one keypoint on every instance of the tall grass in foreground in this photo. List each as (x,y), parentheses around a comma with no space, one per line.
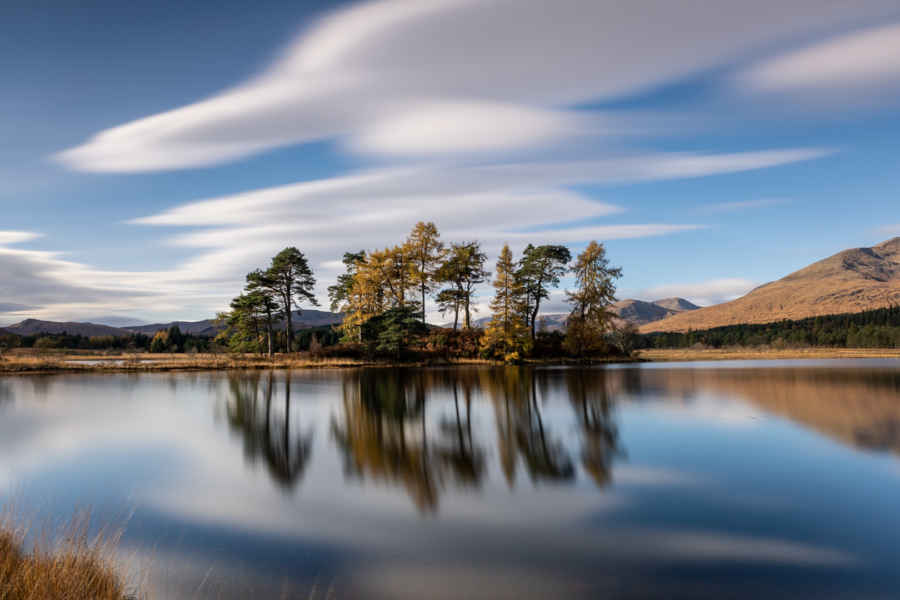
(74,560)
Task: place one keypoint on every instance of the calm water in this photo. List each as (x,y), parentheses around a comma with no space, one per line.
(749,480)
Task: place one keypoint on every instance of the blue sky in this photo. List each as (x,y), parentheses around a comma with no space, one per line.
(152,153)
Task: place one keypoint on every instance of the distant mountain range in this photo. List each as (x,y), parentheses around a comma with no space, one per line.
(848,282)
(302,320)
(30,326)
(634,311)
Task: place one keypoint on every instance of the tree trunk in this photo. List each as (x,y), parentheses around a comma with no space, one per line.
(290,330)
(269,332)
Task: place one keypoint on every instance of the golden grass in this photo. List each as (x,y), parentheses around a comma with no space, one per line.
(75,561)
(28,361)
(690,354)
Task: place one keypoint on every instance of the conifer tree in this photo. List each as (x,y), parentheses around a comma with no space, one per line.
(293,282)
(507,333)
(260,283)
(425,251)
(540,270)
(464,271)
(595,291)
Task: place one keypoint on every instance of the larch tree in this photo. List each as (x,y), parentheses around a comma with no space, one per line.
(343,295)
(293,282)
(595,291)
(507,333)
(539,271)
(425,252)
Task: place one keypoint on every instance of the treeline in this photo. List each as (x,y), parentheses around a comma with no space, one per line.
(383,295)
(878,328)
(165,340)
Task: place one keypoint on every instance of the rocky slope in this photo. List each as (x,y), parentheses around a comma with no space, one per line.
(850,281)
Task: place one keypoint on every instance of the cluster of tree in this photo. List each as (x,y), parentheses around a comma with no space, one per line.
(173,340)
(384,291)
(66,341)
(879,328)
(520,287)
(269,298)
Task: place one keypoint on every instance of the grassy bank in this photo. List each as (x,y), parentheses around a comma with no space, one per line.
(738,353)
(76,561)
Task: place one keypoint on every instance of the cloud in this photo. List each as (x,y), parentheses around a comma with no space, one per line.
(705,293)
(737,206)
(40,284)
(443,77)
(847,67)
(891,230)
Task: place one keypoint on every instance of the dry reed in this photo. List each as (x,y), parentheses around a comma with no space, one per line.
(74,560)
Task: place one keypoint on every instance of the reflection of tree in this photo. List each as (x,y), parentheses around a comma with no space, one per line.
(589,395)
(265,433)
(460,454)
(384,435)
(6,395)
(521,428)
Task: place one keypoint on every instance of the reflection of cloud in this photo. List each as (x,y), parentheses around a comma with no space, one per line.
(712,291)
(722,547)
(649,476)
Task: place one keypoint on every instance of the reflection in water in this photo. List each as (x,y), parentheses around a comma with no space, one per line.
(521,431)
(384,434)
(589,394)
(413,428)
(856,406)
(712,505)
(265,432)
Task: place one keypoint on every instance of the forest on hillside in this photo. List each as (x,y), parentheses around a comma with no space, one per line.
(878,328)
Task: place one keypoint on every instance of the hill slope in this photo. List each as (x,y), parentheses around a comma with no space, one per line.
(679,304)
(29,326)
(850,281)
(641,313)
(307,318)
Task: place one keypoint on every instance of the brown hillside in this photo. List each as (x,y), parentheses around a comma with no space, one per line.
(29,326)
(850,281)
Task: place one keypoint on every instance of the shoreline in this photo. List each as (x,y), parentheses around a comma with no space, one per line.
(12,365)
(87,363)
(711,354)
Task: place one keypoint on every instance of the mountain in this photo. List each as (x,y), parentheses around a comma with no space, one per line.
(204,327)
(679,304)
(850,281)
(304,319)
(635,311)
(29,326)
(3,331)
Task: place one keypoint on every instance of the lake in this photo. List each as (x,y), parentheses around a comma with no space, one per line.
(759,479)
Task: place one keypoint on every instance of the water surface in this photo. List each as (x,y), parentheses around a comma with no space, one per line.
(739,480)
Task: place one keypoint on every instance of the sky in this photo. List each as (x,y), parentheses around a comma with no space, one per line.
(153,153)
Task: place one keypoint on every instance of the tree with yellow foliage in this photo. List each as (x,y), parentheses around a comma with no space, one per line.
(507,334)
(595,291)
(425,251)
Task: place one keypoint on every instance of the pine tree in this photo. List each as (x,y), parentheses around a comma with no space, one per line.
(507,334)
(293,282)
